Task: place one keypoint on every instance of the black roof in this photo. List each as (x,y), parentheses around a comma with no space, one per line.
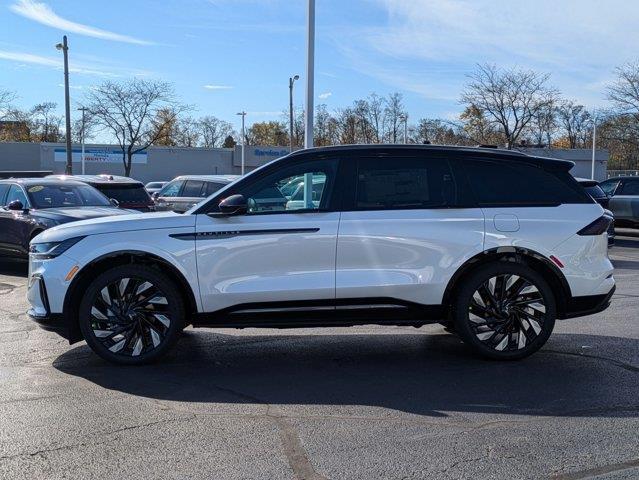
(492,153)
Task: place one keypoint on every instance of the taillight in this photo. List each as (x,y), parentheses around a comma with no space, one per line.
(597,227)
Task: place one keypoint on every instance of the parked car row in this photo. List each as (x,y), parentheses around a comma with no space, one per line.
(495,244)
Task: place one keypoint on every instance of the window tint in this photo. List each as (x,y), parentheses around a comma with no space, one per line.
(266,194)
(16,193)
(172,189)
(506,183)
(212,187)
(52,196)
(4,188)
(595,191)
(193,188)
(125,193)
(630,187)
(404,183)
(609,186)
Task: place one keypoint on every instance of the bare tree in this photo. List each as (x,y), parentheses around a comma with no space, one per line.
(574,121)
(544,125)
(7,97)
(214,131)
(45,124)
(624,92)
(508,98)
(394,112)
(479,129)
(127,111)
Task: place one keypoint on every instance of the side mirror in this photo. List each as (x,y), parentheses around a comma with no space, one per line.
(233,205)
(155,196)
(15,205)
(114,202)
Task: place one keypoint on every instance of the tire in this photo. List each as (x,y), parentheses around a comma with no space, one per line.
(506,323)
(131,314)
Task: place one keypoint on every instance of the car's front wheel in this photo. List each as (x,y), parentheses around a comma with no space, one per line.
(131,314)
(505,311)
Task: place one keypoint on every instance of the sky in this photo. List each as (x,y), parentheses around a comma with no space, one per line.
(224,56)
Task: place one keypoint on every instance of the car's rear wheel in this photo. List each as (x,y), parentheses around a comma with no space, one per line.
(131,314)
(505,311)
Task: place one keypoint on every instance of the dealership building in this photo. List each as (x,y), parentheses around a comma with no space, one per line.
(165,163)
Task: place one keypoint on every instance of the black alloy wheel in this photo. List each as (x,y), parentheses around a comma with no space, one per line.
(131,314)
(505,311)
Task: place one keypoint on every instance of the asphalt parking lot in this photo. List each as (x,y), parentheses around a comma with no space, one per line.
(356,403)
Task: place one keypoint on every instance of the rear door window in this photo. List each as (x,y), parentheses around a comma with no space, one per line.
(403,183)
(514,183)
(193,188)
(630,187)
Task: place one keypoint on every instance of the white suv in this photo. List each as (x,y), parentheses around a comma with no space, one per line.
(495,244)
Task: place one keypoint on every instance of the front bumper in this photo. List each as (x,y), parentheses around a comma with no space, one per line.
(40,311)
(588,305)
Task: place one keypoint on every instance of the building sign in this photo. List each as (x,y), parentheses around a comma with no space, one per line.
(271,152)
(98,155)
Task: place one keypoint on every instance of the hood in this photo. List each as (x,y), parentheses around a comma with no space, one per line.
(119,223)
(72,214)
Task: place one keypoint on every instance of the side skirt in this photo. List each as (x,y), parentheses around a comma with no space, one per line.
(306,314)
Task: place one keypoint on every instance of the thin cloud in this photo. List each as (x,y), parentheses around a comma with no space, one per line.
(218,87)
(325,95)
(29,58)
(42,13)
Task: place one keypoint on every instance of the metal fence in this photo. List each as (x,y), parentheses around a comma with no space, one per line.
(623,173)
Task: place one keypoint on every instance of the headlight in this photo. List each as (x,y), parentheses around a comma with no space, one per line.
(46,250)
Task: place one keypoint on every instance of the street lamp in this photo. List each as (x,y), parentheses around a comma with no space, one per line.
(291,81)
(404,118)
(594,143)
(83,110)
(310,74)
(242,114)
(67,108)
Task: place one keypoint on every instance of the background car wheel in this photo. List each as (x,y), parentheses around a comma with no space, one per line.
(505,311)
(131,314)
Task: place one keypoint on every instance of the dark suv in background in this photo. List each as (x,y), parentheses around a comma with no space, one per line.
(593,189)
(128,193)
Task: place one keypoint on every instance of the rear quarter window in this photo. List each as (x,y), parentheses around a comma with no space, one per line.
(515,183)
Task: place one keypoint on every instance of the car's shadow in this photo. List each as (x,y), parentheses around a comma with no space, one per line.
(15,267)
(419,374)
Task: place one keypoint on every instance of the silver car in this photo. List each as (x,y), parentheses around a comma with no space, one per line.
(181,193)
(624,200)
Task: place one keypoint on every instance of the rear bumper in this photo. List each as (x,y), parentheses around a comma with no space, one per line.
(587,305)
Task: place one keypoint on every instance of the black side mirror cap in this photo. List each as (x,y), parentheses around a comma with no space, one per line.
(16,205)
(233,205)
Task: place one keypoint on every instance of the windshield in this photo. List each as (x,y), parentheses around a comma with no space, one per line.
(155,185)
(131,193)
(54,196)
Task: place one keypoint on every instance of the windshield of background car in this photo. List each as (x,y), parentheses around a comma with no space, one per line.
(595,191)
(126,193)
(55,196)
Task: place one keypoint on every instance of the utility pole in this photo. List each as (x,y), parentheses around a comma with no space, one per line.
(82,109)
(291,81)
(242,114)
(405,119)
(310,75)
(67,106)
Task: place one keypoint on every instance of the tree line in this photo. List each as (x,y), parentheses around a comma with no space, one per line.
(511,108)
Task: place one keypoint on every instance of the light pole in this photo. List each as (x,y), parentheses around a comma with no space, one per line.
(404,118)
(67,108)
(242,114)
(83,110)
(594,143)
(291,81)
(310,75)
